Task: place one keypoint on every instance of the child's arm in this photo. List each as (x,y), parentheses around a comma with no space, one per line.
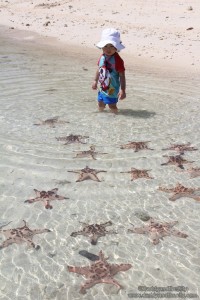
(122,91)
(96,78)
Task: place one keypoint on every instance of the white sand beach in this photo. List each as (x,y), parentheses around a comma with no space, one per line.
(156,33)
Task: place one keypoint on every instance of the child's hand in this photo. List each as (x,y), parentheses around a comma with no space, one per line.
(94,85)
(121,95)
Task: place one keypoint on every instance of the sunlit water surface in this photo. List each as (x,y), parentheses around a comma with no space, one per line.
(38,85)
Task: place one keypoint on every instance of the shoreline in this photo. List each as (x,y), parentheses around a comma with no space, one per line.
(52,45)
(164,38)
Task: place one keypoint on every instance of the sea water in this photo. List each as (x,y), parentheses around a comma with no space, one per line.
(37,84)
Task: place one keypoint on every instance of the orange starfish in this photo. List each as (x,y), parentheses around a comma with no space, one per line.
(181,191)
(100,271)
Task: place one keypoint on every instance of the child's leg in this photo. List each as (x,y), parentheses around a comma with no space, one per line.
(101,105)
(113,108)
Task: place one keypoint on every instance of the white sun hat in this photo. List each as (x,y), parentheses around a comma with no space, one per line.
(110,36)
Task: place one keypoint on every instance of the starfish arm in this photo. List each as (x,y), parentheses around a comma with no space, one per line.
(180,166)
(94,177)
(180,195)
(68,142)
(88,284)
(100,171)
(55,190)
(33,200)
(178,233)
(47,204)
(162,189)
(7,243)
(79,154)
(93,155)
(73,171)
(101,256)
(61,138)
(37,193)
(79,270)
(31,244)
(108,223)
(115,268)
(110,280)
(83,176)
(154,237)
(165,164)
(58,197)
(64,122)
(74,234)
(5,225)
(82,154)
(195,197)
(39,231)
(94,238)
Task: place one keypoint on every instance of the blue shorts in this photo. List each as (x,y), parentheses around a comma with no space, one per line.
(106,99)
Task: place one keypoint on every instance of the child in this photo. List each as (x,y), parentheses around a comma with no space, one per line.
(111,72)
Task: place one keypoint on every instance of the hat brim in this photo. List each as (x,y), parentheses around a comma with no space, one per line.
(102,44)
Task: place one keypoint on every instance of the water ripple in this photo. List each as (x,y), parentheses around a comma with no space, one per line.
(161,110)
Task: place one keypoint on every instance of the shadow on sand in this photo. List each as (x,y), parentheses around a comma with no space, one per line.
(136,113)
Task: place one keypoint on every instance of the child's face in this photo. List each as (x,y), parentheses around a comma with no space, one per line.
(109,49)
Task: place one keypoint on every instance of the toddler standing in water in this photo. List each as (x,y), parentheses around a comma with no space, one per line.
(110,74)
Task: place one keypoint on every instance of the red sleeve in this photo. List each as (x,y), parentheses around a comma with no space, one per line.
(119,63)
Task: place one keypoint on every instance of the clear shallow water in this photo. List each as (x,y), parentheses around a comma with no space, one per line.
(36,84)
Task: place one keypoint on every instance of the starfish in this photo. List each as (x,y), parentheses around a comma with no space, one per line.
(94,231)
(87,173)
(99,271)
(136,145)
(157,231)
(46,197)
(181,191)
(136,173)
(90,152)
(194,172)
(20,235)
(177,160)
(181,148)
(70,139)
(50,122)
